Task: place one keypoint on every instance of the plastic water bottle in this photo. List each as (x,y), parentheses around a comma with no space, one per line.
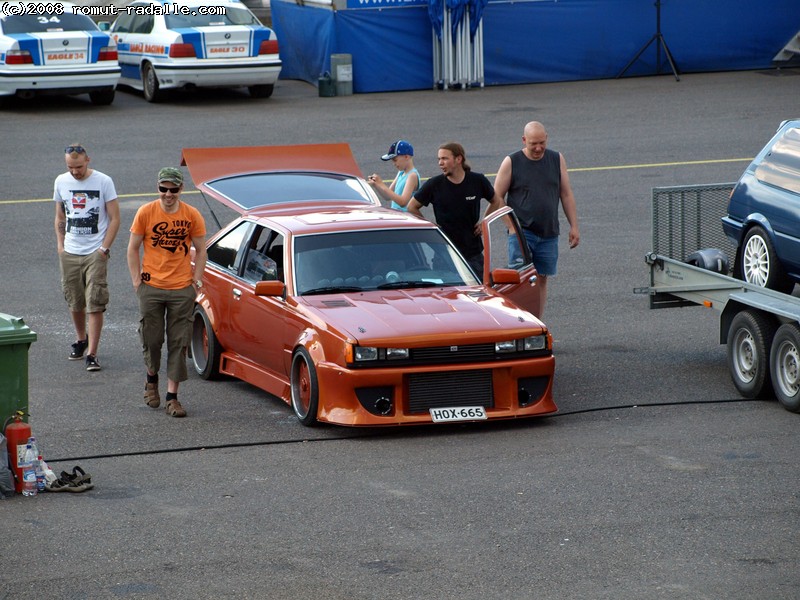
(34,446)
(29,472)
(40,479)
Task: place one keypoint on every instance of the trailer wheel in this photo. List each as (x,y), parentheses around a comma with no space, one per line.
(785,366)
(759,262)
(749,340)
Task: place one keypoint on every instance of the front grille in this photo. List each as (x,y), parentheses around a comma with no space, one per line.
(453,388)
(440,354)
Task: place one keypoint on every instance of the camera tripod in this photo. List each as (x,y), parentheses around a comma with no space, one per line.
(658,38)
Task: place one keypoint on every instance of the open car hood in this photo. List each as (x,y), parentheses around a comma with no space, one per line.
(211,168)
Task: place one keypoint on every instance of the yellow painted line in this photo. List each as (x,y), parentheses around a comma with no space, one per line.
(121,196)
(683,163)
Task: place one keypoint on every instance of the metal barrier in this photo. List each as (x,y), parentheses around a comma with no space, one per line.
(689,218)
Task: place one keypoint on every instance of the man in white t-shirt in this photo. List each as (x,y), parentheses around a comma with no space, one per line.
(87,221)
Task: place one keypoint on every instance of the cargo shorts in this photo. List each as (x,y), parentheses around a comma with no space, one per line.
(84,281)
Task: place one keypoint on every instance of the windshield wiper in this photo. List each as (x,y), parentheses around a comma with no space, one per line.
(393,285)
(332,289)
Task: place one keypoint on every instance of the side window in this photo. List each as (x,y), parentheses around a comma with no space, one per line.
(509,251)
(123,24)
(142,24)
(781,167)
(264,260)
(225,251)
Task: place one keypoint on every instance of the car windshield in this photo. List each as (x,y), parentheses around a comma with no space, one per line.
(263,189)
(227,16)
(377,259)
(47,22)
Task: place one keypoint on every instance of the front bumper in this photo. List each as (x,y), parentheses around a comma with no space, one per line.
(507,390)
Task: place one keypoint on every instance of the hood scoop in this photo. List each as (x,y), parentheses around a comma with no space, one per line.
(340,303)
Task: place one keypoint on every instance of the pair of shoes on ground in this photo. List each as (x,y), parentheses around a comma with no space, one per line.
(153,400)
(77,481)
(78,349)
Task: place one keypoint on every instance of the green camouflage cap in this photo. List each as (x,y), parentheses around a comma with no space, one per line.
(170,174)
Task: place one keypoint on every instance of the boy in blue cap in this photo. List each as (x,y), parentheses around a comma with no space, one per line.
(405,183)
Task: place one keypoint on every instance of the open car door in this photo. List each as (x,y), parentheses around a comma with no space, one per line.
(504,252)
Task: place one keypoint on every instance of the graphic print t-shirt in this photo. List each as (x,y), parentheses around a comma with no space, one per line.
(84,204)
(166,263)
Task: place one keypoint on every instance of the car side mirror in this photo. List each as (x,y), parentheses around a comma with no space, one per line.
(104,26)
(504,276)
(270,288)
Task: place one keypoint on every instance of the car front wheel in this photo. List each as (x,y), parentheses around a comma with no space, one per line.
(305,388)
(759,262)
(205,348)
(150,87)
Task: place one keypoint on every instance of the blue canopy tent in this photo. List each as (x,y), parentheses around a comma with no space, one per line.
(574,39)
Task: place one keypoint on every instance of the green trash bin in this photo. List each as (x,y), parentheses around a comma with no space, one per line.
(15,339)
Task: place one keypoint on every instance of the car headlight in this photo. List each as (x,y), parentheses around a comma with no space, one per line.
(535,342)
(370,353)
(528,344)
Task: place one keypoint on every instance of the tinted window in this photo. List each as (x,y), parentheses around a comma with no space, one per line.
(232,16)
(142,24)
(264,260)
(262,189)
(123,23)
(33,23)
(781,166)
(225,250)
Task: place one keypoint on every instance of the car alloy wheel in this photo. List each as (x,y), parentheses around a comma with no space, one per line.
(150,86)
(305,388)
(759,262)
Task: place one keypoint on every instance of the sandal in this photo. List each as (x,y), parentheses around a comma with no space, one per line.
(77,481)
(174,409)
(151,397)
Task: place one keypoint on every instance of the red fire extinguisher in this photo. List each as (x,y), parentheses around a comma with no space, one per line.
(17,433)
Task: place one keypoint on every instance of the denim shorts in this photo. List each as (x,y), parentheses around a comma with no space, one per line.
(544,251)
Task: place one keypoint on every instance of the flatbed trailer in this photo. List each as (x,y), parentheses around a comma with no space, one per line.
(761,327)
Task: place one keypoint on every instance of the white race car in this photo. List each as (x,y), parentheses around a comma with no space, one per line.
(168,45)
(45,48)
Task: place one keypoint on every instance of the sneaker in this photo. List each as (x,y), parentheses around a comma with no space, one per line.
(91,363)
(78,348)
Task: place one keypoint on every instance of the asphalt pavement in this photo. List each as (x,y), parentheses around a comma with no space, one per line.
(655,479)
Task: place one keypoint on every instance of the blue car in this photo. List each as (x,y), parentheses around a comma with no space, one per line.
(763,217)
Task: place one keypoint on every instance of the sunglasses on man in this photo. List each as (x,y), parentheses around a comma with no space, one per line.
(164,189)
(76,149)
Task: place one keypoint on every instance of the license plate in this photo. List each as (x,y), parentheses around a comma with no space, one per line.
(458,413)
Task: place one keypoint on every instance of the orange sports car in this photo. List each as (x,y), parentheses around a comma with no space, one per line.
(356,314)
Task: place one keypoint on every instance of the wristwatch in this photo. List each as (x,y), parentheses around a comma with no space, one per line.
(105,251)
(198,284)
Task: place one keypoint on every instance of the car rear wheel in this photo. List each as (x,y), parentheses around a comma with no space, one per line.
(150,87)
(261,91)
(749,340)
(785,366)
(760,264)
(205,348)
(305,389)
(102,97)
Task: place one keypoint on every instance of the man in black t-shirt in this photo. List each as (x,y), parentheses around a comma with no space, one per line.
(456,198)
